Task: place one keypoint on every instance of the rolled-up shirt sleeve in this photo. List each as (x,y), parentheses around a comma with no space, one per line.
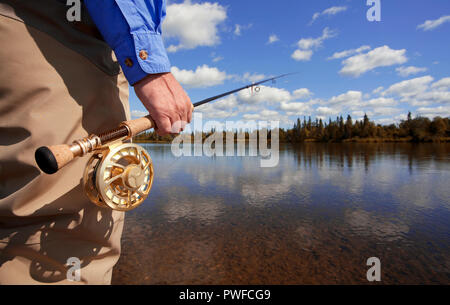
(132,28)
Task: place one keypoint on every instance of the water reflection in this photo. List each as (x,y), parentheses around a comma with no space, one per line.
(315,218)
(365,224)
(181,204)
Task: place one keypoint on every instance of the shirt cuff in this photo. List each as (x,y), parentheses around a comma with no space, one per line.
(142,55)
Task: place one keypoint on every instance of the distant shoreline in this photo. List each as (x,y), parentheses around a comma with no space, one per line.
(411,130)
(352,140)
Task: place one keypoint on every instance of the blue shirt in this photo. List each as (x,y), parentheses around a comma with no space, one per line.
(132,28)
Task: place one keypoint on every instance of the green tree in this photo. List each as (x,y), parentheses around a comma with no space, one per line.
(348,128)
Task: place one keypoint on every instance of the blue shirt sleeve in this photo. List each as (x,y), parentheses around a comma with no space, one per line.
(132,28)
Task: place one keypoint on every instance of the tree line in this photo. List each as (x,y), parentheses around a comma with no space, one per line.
(418,129)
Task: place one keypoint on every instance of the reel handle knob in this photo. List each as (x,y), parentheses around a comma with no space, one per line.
(52,158)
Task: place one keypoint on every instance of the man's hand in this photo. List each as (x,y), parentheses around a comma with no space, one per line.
(166,101)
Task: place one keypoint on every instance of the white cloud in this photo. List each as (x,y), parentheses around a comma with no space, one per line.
(193,25)
(226,103)
(273,38)
(265,94)
(360,113)
(310,43)
(138,113)
(341,105)
(410,87)
(431,112)
(237,30)
(307,45)
(411,70)
(252,117)
(302,93)
(350,98)
(223,108)
(256,105)
(384,111)
(348,53)
(269,113)
(300,55)
(202,77)
(378,90)
(326,111)
(314,17)
(381,101)
(432,24)
(265,115)
(295,108)
(329,11)
(379,57)
(215,57)
(253,78)
(440,97)
(334,10)
(418,92)
(271,103)
(218,114)
(400,117)
(442,84)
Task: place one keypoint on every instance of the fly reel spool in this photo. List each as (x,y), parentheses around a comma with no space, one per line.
(119,176)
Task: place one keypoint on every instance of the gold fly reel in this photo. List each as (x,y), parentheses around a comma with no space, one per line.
(119,176)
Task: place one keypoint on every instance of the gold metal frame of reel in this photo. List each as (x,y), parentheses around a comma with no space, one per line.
(119,176)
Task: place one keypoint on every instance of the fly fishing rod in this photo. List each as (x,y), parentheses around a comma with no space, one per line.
(119,175)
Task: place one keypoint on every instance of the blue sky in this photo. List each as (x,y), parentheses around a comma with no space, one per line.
(346,64)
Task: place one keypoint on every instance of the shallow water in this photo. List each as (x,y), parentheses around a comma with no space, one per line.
(314,219)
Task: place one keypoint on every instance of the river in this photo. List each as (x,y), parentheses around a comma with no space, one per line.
(314,219)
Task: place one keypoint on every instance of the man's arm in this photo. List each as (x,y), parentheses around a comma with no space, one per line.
(132,28)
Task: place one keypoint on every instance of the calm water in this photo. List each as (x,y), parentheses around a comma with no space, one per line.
(314,219)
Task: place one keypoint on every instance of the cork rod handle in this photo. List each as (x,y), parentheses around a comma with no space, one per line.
(52,158)
(139,125)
